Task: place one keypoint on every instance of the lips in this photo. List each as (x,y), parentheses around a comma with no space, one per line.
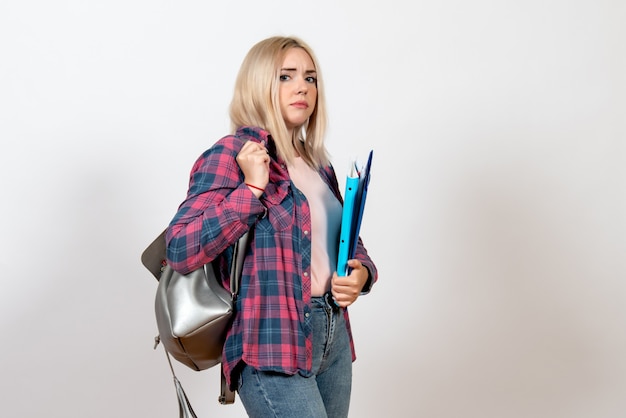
(300,105)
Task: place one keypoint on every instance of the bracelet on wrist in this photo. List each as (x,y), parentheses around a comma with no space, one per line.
(254,187)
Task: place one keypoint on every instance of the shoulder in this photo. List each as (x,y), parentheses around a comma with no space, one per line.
(223,153)
(252,133)
(231,144)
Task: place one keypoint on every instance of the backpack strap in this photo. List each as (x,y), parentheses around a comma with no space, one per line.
(227,396)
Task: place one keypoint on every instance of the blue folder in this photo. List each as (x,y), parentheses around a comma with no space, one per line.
(357,183)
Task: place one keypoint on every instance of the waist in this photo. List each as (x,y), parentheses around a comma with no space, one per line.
(325,301)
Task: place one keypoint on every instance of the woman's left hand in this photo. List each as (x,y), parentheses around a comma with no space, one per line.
(347,289)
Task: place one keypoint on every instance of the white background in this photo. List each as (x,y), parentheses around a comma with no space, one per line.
(496,213)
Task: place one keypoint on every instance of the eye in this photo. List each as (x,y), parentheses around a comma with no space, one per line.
(284,77)
(311,79)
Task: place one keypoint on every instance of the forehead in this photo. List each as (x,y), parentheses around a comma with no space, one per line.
(297,58)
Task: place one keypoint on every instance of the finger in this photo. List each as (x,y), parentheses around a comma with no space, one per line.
(343,300)
(355,264)
(259,147)
(252,147)
(339,298)
(259,151)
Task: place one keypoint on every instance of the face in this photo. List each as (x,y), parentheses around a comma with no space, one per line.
(297,88)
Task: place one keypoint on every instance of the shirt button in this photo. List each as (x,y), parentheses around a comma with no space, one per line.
(306,315)
(306,232)
(306,274)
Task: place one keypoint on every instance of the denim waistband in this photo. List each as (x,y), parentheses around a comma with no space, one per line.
(326,301)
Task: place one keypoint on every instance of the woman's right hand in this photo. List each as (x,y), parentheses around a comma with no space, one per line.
(254,161)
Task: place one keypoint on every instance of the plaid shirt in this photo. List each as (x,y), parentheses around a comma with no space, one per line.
(271,328)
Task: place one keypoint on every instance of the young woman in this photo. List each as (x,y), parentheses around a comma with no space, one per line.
(289,352)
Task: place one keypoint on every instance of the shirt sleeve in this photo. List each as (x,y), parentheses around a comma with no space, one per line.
(218,210)
(363,257)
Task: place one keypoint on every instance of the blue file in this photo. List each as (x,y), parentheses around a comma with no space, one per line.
(352,185)
(355,194)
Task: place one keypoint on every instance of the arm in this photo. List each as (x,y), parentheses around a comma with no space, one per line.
(218,209)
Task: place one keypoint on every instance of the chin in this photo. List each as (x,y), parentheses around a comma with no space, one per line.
(293,125)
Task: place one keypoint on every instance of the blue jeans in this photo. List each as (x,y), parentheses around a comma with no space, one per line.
(325,394)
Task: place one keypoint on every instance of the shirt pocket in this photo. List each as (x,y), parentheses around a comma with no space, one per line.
(280,208)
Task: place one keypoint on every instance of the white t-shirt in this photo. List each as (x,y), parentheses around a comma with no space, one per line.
(325,224)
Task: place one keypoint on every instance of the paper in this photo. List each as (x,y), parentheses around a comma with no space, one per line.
(357,182)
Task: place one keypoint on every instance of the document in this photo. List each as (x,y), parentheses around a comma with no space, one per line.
(357,183)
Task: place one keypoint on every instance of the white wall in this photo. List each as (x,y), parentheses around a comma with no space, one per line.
(496,214)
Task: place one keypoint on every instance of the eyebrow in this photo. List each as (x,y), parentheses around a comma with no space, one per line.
(295,69)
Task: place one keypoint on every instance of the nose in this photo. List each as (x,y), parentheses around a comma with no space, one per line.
(302,87)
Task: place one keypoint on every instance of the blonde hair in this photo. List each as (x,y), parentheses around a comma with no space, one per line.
(256,102)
